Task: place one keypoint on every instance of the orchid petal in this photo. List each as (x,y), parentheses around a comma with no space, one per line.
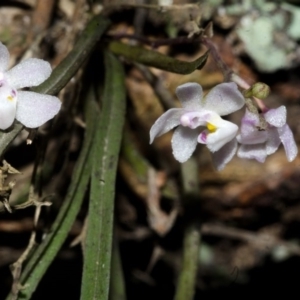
(251,137)
(8,104)
(250,118)
(7,113)
(190,95)
(224,155)
(184,142)
(224,99)
(34,109)
(273,141)
(196,118)
(276,117)
(4,58)
(30,72)
(166,122)
(257,152)
(224,133)
(249,132)
(287,139)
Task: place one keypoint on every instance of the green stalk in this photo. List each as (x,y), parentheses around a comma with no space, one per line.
(98,248)
(46,252)
(191,248)
(192,236)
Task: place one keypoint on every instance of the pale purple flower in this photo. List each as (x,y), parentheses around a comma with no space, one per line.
(258,144)
(197,111)
(31,109)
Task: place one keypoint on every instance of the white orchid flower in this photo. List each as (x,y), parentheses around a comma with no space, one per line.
(197,111)
(30,108)
(258,144)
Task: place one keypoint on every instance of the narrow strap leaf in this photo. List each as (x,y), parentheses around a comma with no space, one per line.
(156,59)
(70,65)
(47,250)
(117,283)
(98,250)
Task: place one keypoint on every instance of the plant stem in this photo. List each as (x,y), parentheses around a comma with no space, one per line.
(192,237)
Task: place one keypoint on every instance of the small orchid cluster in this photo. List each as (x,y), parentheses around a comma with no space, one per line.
(220,136)
(30,108)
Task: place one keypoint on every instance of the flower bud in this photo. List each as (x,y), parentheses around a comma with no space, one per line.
(259,90)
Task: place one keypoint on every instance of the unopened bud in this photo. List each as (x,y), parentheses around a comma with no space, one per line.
(259,90)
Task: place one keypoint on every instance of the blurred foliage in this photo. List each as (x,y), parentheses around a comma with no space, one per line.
(268,30)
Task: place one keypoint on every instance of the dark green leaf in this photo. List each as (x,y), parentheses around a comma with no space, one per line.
(156,59)
(45,253)
(98,248)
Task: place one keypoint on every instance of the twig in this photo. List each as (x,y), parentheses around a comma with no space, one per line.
(160,221)
(160,90)
(261,240)
(80,238)
(227,72)
(6,189)
(160,8)
(157,42)
(139,18)
(42,15)
(16,268)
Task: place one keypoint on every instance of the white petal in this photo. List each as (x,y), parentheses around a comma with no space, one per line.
(224,133)
(8,104)
(7,113)
(184,143)
(257,152)
(190,95)
(254,137)
(287,139)
(30,72)
(276,117)
(273,140)
(33,109)
(196,118)
(4,58)
(224,155)
(166,122)
(224,99)
(249,130)
(251,135)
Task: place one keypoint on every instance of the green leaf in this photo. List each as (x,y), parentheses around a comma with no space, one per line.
(156,59)
(98,248)
(47,250)
(63,73)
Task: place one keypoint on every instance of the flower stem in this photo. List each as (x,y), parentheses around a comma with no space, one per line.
(192,236)
(227,72)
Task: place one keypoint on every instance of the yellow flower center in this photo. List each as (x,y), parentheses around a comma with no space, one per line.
(10,98)
(211,128)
